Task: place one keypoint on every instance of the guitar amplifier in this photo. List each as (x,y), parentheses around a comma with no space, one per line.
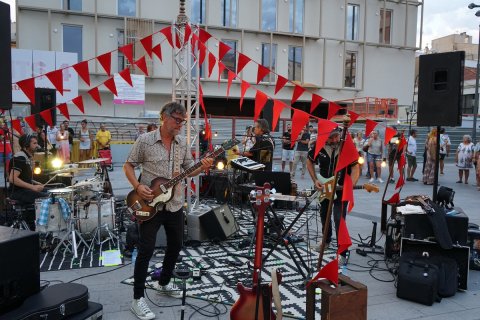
(219,223)
(195,229)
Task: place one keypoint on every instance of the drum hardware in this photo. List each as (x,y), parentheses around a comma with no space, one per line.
(74,233)
(98,230)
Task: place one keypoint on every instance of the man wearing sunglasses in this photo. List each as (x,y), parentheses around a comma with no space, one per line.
(160,152)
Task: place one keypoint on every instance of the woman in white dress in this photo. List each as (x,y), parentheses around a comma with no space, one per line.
(464,158)
(85,141)
(63,145)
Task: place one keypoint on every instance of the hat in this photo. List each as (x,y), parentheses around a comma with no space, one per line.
(335,132)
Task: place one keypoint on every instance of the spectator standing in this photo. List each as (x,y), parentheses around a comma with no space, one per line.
(288,152)
(464,158)
(86,138)
(63,145)
(444,148)
(301,152)
(359,142)
(431,154)
(374,156)
(52,137)
(411,153)
(140,131)
(103,138)
(71,133)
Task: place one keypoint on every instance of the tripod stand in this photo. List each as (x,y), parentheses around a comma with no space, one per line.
(97,239)
(71,231)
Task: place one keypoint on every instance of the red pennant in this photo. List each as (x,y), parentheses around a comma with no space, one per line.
(203,35)
(64,110)
(110,84)
(83,72)
(329,272)
(200,99)
(56,78)
(347,194)
(157,50)
(106,62)
(324,129)
(369,126)
(400,181)
(299,121)
(262,71)
(222,50)
(212,61)
(95,94)
(353,117)
(344,240)
(142,65)
(349,154)
(28,87)
(194,42)
(401,163)
(47,116)
(281,81)
(17,126)
(242,62)
(297,92)
(231,76)
(260,100)
(125,74)
(243,89)
(78,101)
(202,49)
(389,134)
(316,99)
(395,198)
(221,68)
(188,33)
(277,110)
(332,109)
(127,51)
(177,41)
(32,123)
(167,32)
(147,44)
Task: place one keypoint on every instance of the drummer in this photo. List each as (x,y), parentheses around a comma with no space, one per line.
(22,186)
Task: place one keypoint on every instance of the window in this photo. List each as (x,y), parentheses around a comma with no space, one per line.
(72,40)
(296,16)
(72,5)
(230,59)
(350,69)
(269,15)
(198,12)
(127,8)
(120,43)
(229,13)
(295,63)
(269,59)
(385,21)
(353,15)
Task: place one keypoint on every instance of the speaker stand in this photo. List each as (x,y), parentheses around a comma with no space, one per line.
(370,247)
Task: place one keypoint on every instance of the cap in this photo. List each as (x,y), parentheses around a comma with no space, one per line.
(335,132)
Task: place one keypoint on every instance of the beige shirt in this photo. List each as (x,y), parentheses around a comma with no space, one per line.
(149,151)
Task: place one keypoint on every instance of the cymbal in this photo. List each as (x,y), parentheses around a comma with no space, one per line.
(93,160)
(60,190)
(70,170)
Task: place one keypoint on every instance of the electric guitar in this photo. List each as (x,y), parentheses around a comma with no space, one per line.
(256,302)
(162,189)
(328,184)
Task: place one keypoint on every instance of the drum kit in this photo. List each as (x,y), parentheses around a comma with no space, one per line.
(91,214)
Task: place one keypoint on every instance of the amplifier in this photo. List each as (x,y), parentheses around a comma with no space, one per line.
(219,223)
(195,229)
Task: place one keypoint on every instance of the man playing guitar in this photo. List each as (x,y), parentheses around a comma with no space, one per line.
(161,153)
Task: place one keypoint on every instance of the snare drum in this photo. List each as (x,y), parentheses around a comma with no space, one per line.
(86,189)
(88,214)
(65,193)
(55,222)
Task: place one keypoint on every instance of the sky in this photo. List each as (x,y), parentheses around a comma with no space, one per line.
(441,18)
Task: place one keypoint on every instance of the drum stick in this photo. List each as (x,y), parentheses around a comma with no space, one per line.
(46,183)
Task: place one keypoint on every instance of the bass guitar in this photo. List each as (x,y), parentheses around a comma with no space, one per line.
(162,189)
(328,184)
(256,302)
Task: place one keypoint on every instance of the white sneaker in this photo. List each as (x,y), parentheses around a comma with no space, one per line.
(170,289)
(371,180)
(380,180)
(141,310)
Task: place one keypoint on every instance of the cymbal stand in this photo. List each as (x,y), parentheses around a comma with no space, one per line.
(71,231)
(97,239)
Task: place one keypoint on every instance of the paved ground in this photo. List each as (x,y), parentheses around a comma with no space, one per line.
(106,289)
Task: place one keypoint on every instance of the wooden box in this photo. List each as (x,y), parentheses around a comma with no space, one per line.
(347,301)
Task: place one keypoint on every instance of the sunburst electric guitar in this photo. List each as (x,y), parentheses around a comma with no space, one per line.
(328,184)
(162,189)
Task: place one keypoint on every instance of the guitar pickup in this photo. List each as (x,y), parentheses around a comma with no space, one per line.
(142,213)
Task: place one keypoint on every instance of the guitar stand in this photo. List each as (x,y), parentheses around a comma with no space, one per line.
(371,247)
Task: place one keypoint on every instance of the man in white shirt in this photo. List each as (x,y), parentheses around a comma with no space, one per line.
(411,155)
(444,148)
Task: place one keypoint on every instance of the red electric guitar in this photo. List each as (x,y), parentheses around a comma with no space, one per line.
(256,303)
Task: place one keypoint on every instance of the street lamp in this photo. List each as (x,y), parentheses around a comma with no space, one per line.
(475,106)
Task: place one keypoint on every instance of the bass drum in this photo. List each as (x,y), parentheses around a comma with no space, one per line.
(55,223)
(88,214)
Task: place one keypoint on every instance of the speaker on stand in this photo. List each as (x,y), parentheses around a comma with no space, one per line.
(5,57)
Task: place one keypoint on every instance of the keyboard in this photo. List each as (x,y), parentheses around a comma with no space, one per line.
(246,164)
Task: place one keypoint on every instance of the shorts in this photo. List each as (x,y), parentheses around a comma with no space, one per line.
(288,155)
(411,160)
(442,156)
(373,157)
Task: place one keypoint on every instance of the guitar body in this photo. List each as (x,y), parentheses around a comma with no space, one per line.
(329,184)
(244,307)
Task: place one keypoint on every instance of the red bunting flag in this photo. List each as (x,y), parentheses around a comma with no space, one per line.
(110,84)
(349,154)
(389,134)
(243,89)
(56,78)
(142,65)
(203,35)
(188,33)
(202,49)
(157,50)
(47,116)
(147,44)
(167,32)
(125,74)
(260,100)
(324,129)
(127,51)
(28,87)
(369,126)
(194,41)
(212,61)
(262,72)
(347,194)
(400,181)
(222,50)
(106,62)
(83,72)
(177,40)
(329,272)
(242,62)
(401,162)
(32,123)
(95,94)
(200,99)
(17,126)
(277,110)
(281,81)
(332,109)
(221,68)
(231,76)
(299,121)
(64,110)
(353,117)
(316,99)
(78,101)
(395,198)
(297,92)
(344,240)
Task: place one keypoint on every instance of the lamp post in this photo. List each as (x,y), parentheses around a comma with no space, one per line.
(475,106)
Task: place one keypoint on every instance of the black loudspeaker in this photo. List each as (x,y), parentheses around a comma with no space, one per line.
(281,181)
(267,114)
(219,223)
(44,99)
(440,89)
(19,266)
(6,58)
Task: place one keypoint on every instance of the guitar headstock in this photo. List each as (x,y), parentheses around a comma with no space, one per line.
(262,197)
(227,145)
(371,187)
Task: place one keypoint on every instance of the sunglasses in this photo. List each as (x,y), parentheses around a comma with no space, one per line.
(179,120)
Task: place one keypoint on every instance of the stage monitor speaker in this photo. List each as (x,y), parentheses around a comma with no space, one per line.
(440,89)
(219,223)
(5,57)
(19,266)
(44,99)
(195,230)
